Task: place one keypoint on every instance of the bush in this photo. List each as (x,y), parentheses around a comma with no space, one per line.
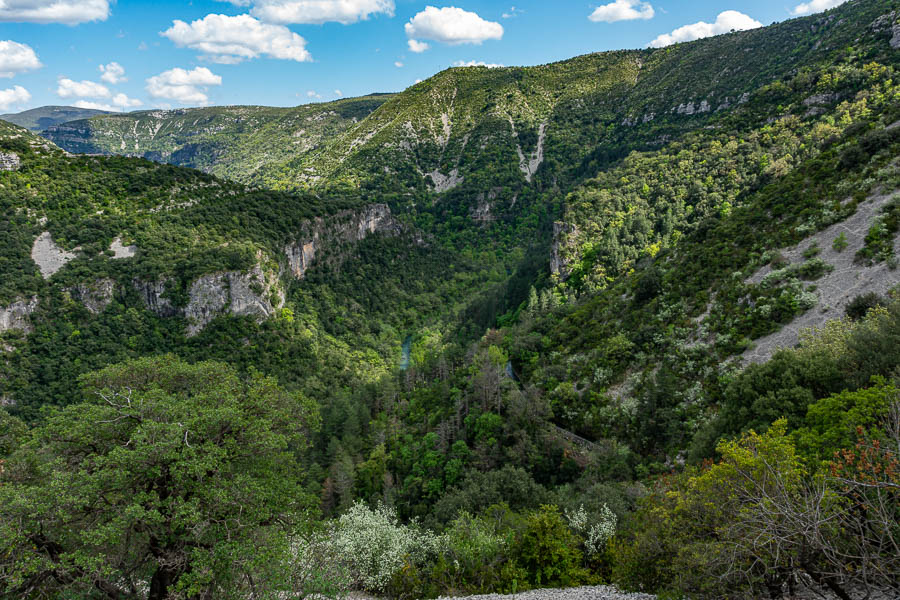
(860,306)
(548,550)
(375,546)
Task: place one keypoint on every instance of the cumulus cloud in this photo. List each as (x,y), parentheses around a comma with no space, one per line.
(186,87)
(398,64)
(450,25)
(70,12)
(622,10)
(339,93)
(17,58)
(480,63)
(318,11)
(725,22)
(230,40)
(68,88)
(118,103)
(113,73)
(12,96)
(417,46)
(807,8)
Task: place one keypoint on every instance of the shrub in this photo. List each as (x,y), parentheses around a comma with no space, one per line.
(860,306)
(375,545)
(548,550)
(840,242)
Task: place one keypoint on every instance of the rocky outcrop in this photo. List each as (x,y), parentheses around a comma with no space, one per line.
(443,183)
(251,294)
(16,315)
(322,238)
(254,293)
(562,233)
(49,257)
(895,41)
(153,293)
(120,250)
(9,161)
(95,296)
(529,164)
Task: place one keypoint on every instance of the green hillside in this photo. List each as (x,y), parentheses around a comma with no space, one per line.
(631,318)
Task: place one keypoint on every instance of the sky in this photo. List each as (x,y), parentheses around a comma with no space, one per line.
(141,54)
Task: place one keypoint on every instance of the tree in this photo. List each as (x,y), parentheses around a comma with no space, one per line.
(170,480)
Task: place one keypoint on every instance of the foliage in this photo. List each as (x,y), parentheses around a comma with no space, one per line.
(178,477)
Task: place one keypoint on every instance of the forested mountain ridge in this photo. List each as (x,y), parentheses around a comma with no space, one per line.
(588,387)
(226,141)
(41,118)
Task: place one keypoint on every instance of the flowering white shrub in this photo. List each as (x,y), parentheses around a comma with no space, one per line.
(375,545)
(597,534)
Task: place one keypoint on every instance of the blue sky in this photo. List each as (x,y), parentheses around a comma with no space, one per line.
(289,52)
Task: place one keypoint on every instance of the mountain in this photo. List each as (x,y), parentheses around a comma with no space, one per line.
(41,118)
(231,142)
(559,310)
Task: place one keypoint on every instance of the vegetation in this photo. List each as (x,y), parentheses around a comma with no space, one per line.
(623,418)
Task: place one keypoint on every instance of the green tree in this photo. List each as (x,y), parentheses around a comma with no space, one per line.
(171,478)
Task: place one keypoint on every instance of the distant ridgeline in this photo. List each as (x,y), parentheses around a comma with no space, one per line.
(586,270)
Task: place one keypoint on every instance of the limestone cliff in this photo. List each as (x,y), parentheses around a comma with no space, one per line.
(255,294)
(322,239)
(16,315)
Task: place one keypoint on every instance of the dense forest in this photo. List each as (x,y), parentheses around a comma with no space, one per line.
(665,358)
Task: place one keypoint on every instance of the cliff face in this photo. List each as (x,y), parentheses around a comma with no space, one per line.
(563,236)
(16,315)
(322,238)
(254,294)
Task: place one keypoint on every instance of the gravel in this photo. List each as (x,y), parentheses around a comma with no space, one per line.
(602,592)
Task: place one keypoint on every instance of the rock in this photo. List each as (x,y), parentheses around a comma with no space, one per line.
(16,315)
(443,183)
(324,238)
(49,257)
(820,99)
(561,234)
(895,41)
(95,296)
(482,212)
(151,293)
(9,161)
(119,250)
(240,294)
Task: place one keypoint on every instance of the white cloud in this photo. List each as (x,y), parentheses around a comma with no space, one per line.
(815,6)
(398,64)
(70,12)
(118,104)
(479,63)
(230,40)
(16,58)
(113,73)
(622,10)
(451,25)
(68,88)
(12,96)
(339,93)
(186,87)
(725,22)
(417,46)
(318,11)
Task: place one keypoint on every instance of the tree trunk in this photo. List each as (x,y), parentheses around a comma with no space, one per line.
(159,586)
